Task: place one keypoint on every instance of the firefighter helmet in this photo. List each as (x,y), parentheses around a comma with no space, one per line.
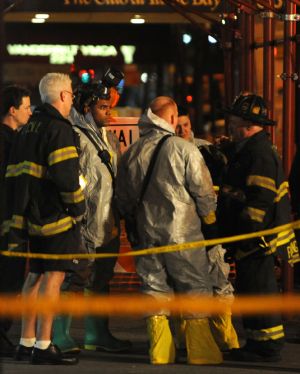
(251,108)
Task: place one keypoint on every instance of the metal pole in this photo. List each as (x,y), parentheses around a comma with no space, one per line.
(268,70)
(289,110)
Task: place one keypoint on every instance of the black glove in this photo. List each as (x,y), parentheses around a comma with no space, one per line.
(131,231)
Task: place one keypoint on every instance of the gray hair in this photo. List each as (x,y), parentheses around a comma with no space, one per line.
(51,86)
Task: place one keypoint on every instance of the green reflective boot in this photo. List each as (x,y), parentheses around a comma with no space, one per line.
(61,335)
(99,338)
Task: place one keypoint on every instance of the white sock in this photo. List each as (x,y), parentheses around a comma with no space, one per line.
(42,344)
(27,342)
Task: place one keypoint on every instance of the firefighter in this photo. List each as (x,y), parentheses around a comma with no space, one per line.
(45,205)
(254,196)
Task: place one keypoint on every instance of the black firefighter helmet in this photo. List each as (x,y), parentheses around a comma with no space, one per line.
(251,108)
(86,95)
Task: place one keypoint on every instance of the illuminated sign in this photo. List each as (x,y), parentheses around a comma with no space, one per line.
(64,54)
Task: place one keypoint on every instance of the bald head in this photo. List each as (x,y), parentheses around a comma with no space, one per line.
(165,108)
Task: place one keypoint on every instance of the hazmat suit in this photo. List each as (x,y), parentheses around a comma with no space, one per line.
(179,199)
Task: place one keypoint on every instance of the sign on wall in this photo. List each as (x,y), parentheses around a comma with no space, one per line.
(126,129)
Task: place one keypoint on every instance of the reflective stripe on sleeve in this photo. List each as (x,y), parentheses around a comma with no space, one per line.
(260,181)
(72,197)
(256,214)
(53,228)
(25,167)
(62,154)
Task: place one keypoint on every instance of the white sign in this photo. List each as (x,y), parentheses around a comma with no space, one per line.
(126,129)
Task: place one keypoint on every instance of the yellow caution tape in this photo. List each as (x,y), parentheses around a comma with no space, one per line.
(78,305)
(155,250)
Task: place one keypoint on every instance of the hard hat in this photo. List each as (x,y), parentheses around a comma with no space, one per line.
(251,108)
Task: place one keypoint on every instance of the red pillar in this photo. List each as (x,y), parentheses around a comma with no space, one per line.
(288,110)
(268,70)
(249,52)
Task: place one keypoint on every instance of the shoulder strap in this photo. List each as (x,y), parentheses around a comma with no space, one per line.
(151,167)
(102,153)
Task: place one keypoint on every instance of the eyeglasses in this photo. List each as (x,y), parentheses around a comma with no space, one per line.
(71,93)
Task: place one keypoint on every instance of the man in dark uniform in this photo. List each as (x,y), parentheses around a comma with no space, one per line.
(15,112)
(44,205)
(253,197)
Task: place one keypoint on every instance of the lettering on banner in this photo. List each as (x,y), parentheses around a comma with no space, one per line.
(205,4)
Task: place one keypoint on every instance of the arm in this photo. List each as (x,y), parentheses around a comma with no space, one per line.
(63,166)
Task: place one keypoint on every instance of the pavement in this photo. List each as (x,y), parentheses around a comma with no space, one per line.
(136,361)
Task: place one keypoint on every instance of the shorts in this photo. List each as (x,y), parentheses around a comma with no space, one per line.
(66,242)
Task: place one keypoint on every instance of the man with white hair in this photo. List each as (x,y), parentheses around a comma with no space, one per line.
(46,205)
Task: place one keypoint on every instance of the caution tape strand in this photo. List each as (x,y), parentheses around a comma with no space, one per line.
(155,250)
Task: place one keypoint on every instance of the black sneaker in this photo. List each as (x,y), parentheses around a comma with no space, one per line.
(23,353)
(51,356)
(241,354)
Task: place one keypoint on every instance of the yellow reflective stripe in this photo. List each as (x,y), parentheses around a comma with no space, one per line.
(210,218)
(25,167)
(216,188)
(13,245)
(273,333)
(54,228)
(282,191)
(256,214)
(72,197)
(265,182)
(62,154)
(282,238)
(17,222)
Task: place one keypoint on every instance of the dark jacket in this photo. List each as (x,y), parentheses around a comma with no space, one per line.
(42,188)
(7,136)
(254,197)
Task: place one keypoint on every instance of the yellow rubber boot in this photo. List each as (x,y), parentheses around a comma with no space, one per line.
(224,332)
(162,348)
(201,346)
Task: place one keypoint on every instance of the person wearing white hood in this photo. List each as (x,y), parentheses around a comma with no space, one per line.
(177,205)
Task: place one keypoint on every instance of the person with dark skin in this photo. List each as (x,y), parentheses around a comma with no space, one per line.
(99,154)
(15,113)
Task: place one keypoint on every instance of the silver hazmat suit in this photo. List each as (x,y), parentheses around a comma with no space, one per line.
(100,223)
(179,193)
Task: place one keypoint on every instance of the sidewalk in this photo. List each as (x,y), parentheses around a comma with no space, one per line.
(136,361)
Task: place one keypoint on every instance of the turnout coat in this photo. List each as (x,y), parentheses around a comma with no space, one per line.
(254,197)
